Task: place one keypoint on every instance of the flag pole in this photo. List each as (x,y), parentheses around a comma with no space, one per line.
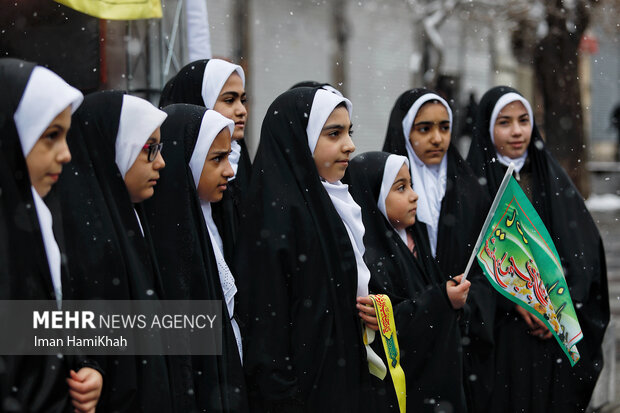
(487,221)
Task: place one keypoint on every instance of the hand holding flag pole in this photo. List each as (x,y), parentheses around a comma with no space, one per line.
(517,256)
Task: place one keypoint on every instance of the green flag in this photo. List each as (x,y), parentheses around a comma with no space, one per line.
(518,257)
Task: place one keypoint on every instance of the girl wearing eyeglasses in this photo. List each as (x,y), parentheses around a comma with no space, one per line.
(116,163)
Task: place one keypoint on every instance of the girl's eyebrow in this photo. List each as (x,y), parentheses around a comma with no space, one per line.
(336,126)
(398,181)
(509,117)
(219,153)
(232,93)
(55,126)
(427,123)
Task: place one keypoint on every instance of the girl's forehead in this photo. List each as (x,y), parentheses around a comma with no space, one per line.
(433,107)
(513,106)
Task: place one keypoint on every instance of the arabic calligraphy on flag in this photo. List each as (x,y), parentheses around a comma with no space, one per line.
(518,257)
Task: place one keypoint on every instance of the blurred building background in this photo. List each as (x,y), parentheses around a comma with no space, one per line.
(372,50)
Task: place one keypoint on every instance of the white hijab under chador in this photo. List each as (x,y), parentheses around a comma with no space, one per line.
(215,76)
(46,95)
(139,119)
(390,171)
(212,124)
(429,181)
(349,211)
(501,103)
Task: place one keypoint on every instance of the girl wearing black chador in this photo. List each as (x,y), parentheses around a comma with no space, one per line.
(453,206)
(196,147)
(115,141)
(35,116)
(426,306)
(532,373)
(302,279)
(219,85)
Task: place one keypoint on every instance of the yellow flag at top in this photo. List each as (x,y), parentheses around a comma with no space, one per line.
(117,9)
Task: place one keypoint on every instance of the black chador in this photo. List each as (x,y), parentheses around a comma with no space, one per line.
(456,226)
(109,258)
(188,266)
(297,276)
(546,382)
(27,271)
(190,86)
(427,325)
(315,84)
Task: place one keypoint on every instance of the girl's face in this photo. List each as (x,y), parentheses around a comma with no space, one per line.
(143,174)
(47,156)
(430,133)
(402,201)
(231,103)
(331,154)
(512,130)
(216,170)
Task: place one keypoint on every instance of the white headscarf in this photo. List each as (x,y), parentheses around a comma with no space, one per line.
(215,76)
(501,104)
(139,119)
(212,124)
(392,167)
(46,95)
(349,211)
(49,241)
(429,181)
(323,105)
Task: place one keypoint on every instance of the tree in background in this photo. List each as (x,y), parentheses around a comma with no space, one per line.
(549,39)
(546,35)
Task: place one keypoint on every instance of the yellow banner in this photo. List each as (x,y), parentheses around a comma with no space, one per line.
(117,9)
(387,330)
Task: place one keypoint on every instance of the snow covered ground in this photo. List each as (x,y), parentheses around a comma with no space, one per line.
(604,202)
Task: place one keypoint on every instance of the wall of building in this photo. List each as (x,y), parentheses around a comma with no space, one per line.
(291,41)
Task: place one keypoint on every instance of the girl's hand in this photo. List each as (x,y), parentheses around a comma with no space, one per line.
(457,291)
(367,312)
(537,327)
(85,388)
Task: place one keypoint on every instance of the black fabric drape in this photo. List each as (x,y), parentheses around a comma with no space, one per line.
(188,267)
(463,210)
(27,383)
(109,259)
(547,382)
(297,278)
(417,290)
(186,87)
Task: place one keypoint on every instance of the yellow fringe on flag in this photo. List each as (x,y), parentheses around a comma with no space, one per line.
(387,330)
(117,9)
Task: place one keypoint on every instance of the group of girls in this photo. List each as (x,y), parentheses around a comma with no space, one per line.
(165,204)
